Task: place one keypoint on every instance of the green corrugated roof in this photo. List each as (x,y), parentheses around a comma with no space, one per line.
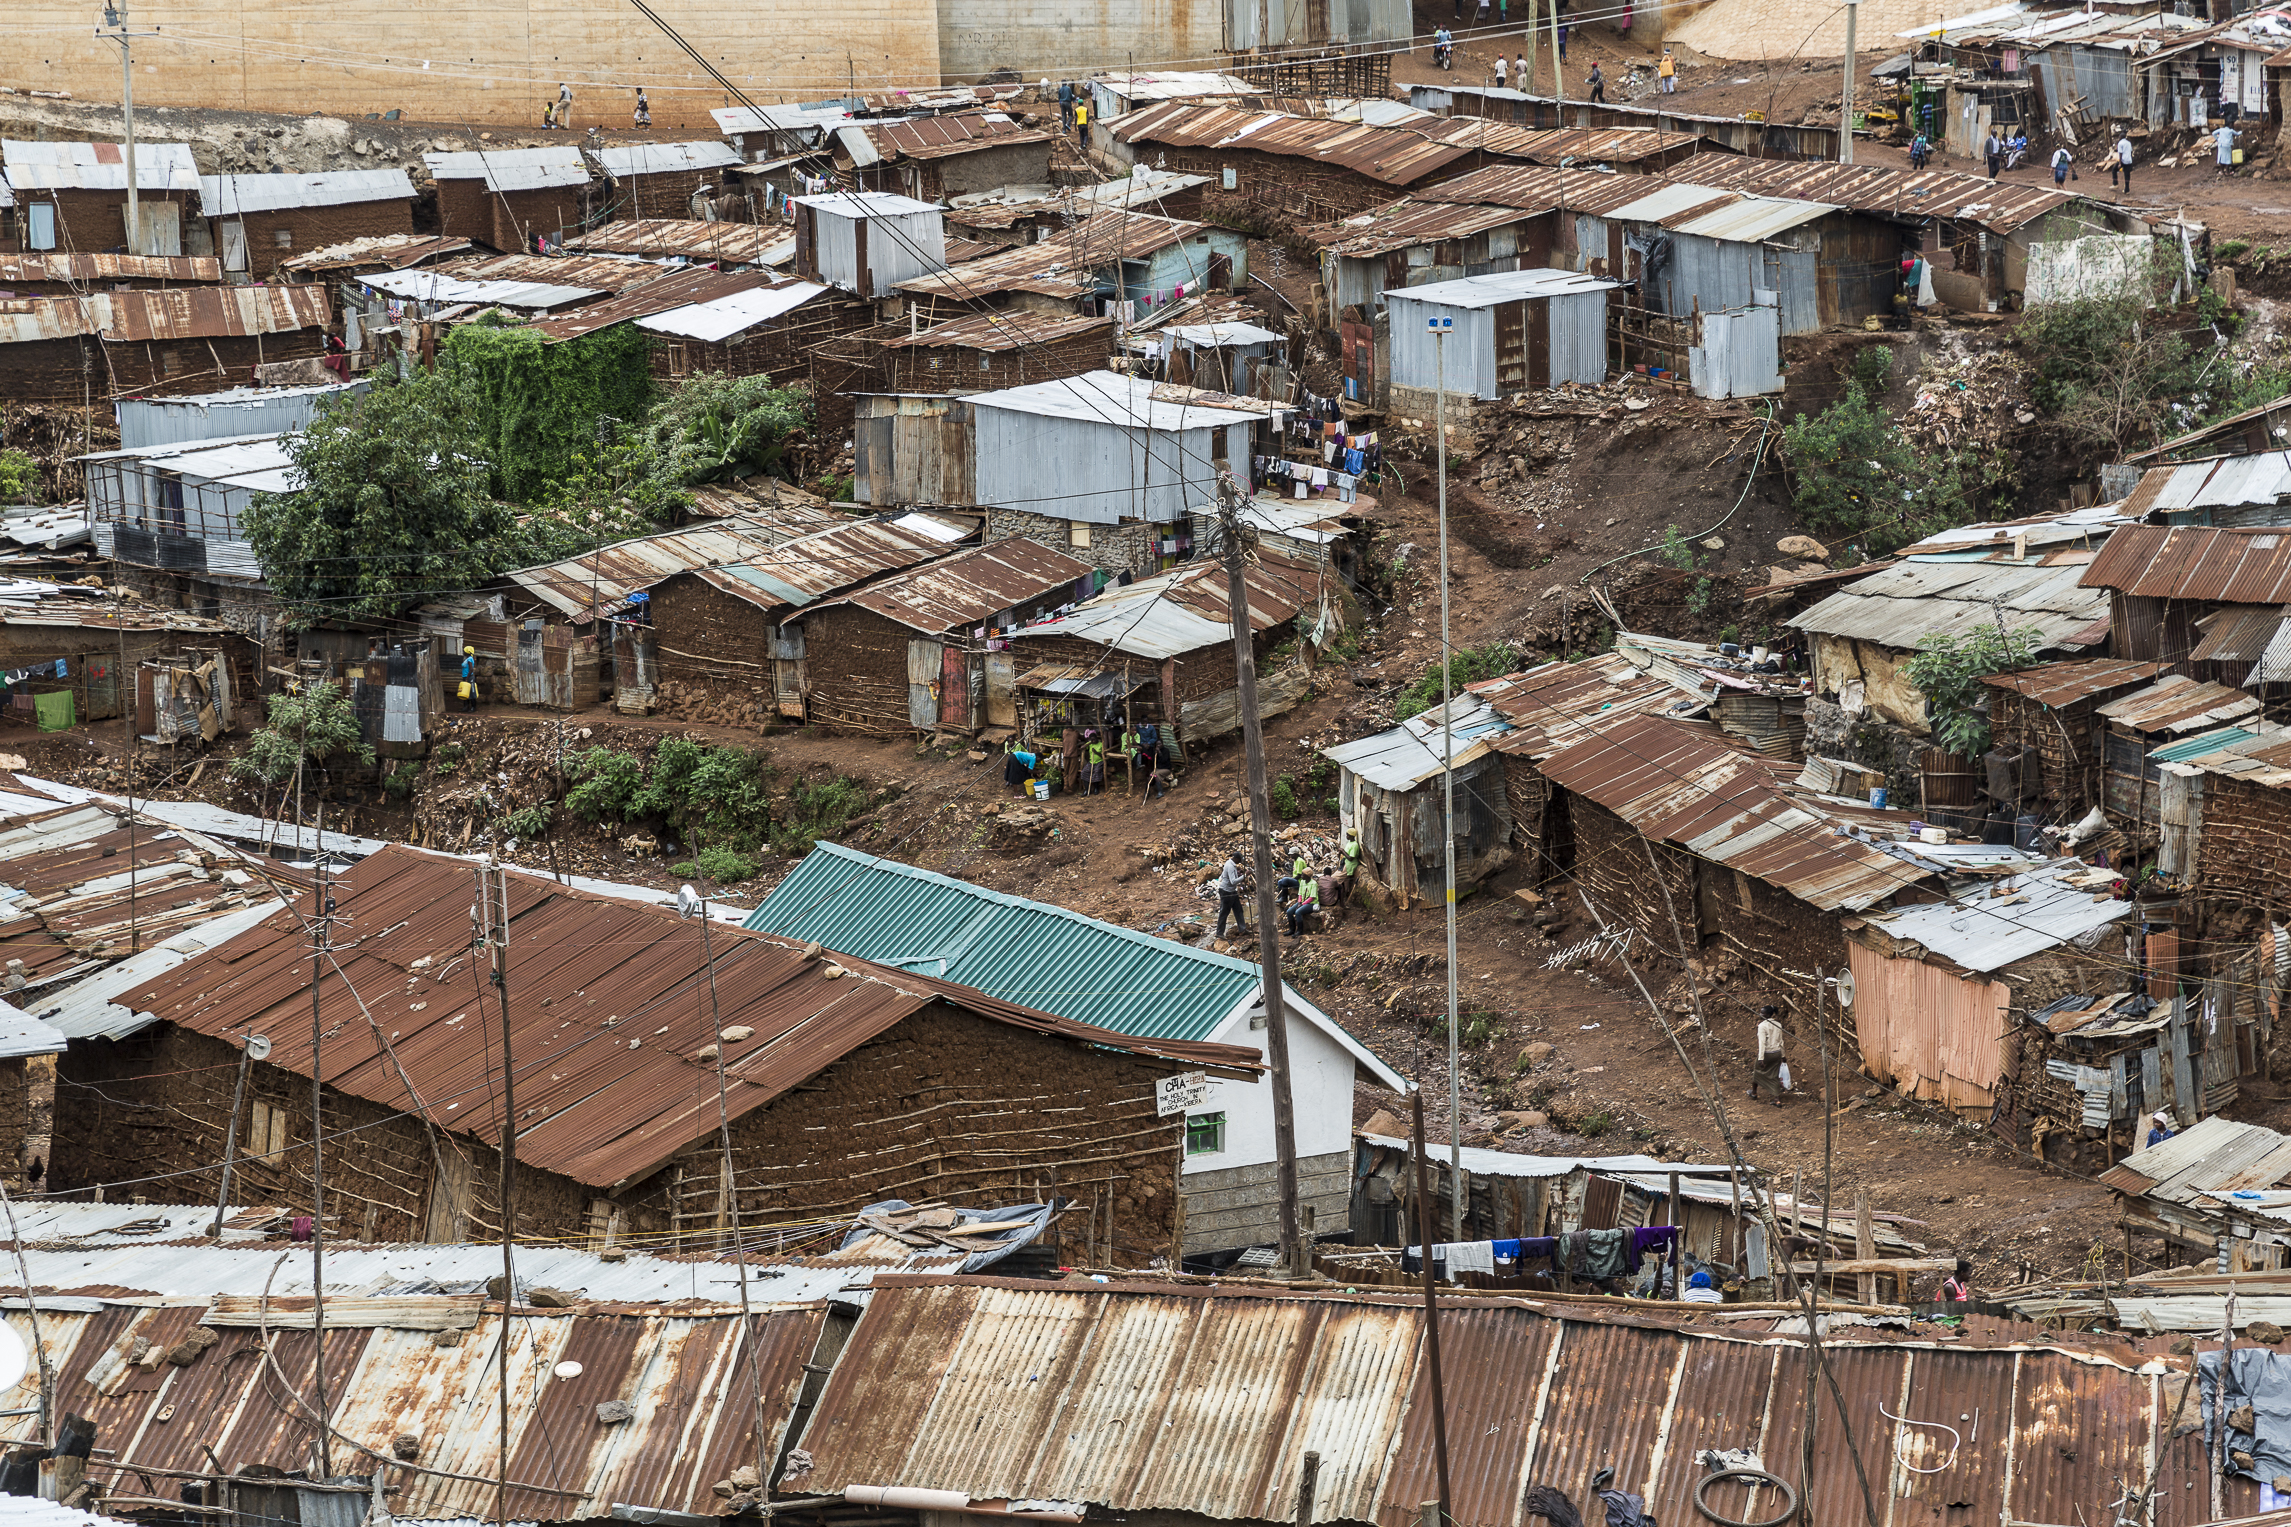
(1028,952)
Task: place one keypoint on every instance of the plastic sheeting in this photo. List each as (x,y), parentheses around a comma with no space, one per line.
(2261,1379)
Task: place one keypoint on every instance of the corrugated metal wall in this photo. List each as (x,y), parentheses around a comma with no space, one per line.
(1471,347)
(174,421)
(1740,355)
(1578,338)
(1084,469)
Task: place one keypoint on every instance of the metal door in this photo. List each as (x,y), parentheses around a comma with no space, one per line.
(234,245)
(1001,690)
(954,688)
(923,667)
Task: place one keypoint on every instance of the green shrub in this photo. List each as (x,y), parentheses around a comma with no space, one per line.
(722,864)
(607,784)
(1595,1126)
(1470,665)
(448,758)
(398,780)
(1854,474)
(1284,799)
(1948,670)
(527,822)
(1698,598)
(19,476)
(1677,550)
(1871,365)
(815,811)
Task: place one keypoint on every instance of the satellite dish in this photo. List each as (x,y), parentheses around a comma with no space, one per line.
(1845,988)
(567,1370)
(15,1361)
(258,1047)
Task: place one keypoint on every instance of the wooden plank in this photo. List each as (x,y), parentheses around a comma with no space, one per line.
(1864,1267)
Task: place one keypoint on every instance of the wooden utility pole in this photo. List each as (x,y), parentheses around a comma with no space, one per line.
(1296,1259)
(1864,1246)
(492,932)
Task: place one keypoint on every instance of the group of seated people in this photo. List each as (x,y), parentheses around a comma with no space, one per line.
(1079,761)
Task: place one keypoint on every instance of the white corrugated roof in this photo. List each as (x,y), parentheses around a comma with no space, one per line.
(664,158)
(429,286)
(1487,1163)
(97,166)
(1980,931)
(22,1034)
(777,119)
(726,316)
(858,204)
(224,195)
(1507,286)
(1215,335)
(1416,750)
(513,169)
(1104,397)
(1923,596)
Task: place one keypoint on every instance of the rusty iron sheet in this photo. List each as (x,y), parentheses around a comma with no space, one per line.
(56,265)
(1559,704)
(1882,190)
(209,312)
(944,137)
(604,1016)
(602,273)
(943,597)
(2177,703)
(584,587)
(1686,784)
(2060,684)
(383,251)
(808,569)
(671,291)
(1143,1396)
(1010,330)
(1539,188)
(1400,154)
(2201,562)
(1061,265)
(667,237)
(1409,222)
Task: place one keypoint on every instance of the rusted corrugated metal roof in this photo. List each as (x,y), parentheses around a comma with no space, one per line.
(2200,562)
(1560,704)
(801,572)
(1682,783)
(1183,610)
(581,587)
(659,238)
(1410,222)
(1140,1397)
(1888,191)
(603,1013)
(963,132)
(680,289)
(998,331)
(387,251)
(55,265)
(193,312)
(2177,703)
(1064,264)
(968,587)
(2059,684)
(601,273)
(1539,188)
(1399,154)
(689,1379)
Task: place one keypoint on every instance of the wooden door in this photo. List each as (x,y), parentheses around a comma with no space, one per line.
(1001,690)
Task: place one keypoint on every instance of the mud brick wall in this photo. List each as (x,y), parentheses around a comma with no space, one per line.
(1533,825)
(69,370)
(951,1106)
(1131,547)
(781,350)
(2064,739)
(668,194)
(1775,932)
(1611,862)
(715,643)
(95,221)
(984,169)
(308,228)
(160,1102)
(506,220)
(856,662)
(465,210)
(2246,854)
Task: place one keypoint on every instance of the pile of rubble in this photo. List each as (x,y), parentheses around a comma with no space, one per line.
(1967,400)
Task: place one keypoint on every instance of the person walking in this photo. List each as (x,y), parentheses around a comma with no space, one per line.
(469,678)
(1598,83)
(1771,1068)
(1066,104)
(1230,880)
(643,110)
(1666,74)
(1519,72)
(1093,763)
(1082,124)
(1563,46)
(2123,165)
(1501,64)
(1920,151)
(2223,150)
(1994,148)
(2062,159)
(564,104)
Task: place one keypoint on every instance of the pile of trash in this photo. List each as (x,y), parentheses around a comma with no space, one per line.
(1968,402)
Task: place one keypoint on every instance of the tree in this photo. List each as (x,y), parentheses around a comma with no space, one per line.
(306,726)
(1854,474)
(716,427)
(2110,375)
(535,406)
(393,506)
(19,476)
(1948,671)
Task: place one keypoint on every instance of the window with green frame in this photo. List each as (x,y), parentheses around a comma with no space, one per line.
(1204,1134)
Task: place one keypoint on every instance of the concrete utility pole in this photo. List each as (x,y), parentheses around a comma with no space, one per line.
(1441,328)
(1845,105)
(1296,1258)
(115,17)
(489,919)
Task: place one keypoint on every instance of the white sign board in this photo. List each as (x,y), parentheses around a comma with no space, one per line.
(1175,1094)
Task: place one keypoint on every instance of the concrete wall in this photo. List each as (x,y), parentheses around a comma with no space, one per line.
(1128,547)
(975,36)
(1230,1197)
(488,63)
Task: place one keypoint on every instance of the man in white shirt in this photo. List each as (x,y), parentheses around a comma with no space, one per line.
(1700,1290)
(1770,1068)
(1500,66)
(1229,883)
(2123,164)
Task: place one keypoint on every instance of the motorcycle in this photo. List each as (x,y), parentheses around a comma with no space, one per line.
(1444,54)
